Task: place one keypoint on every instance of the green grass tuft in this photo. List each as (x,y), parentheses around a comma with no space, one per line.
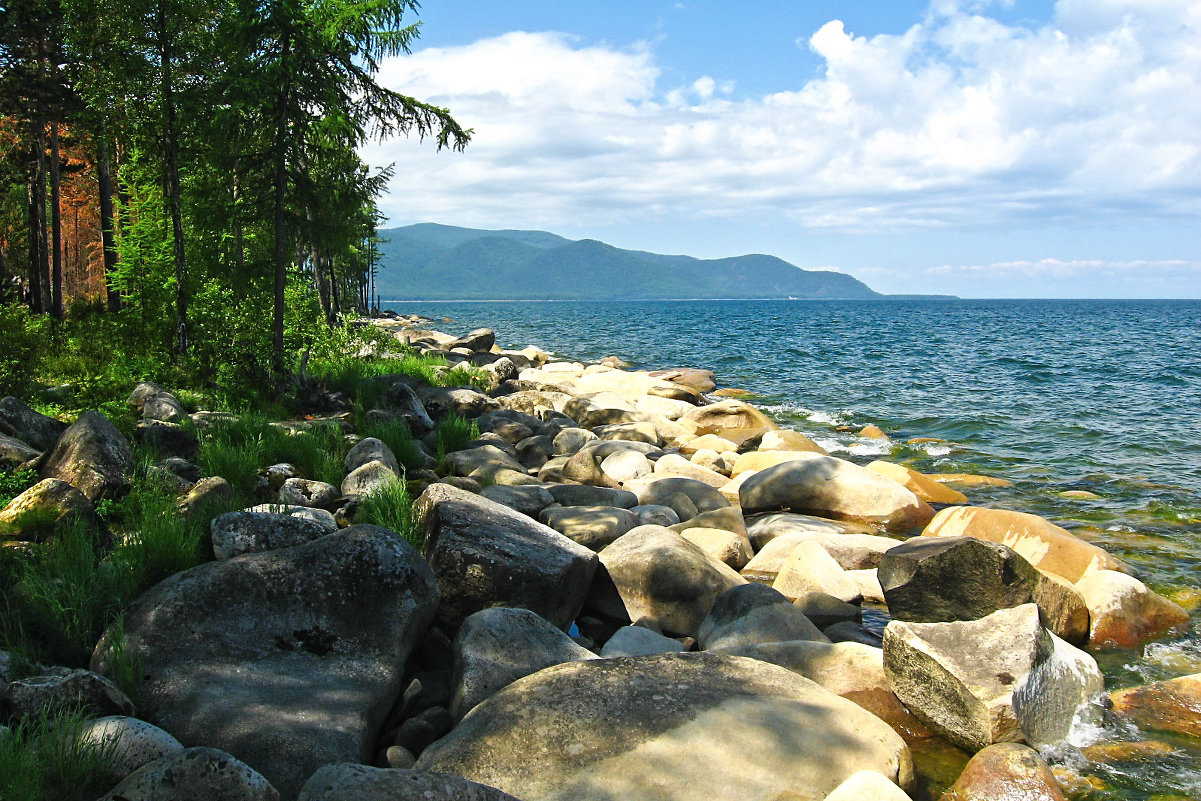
(453,433)
(391,507)
(43,758)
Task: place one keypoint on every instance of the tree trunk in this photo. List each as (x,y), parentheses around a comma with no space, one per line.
(335,303)
(56,226)
(105,177)
(171,154)
(40,268)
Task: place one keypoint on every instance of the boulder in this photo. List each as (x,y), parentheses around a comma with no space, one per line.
(644,432)
(867,785)
(64,691)
(288,659)
(692,377)
(14,452)
(370,449)
(400,398)
(319,516)
(1163,705)
(752,614)
(938,579)
(673,465)
(1002,678)
(1062,608)
(1124,612)
(809,568)
(868,584)
(1005,772)
(368,478)
(481,339)
(785,440)
(625,466)
(484,554)
(194,774)
(850,551)
(729,414)
(569,441)
(724,546)
(634,728)
(594,527)
(765,528)
(657,491)
(92,456)
(163,406)
(655,574)
(40,509)
(306,492)
(529,499)
(826,486)
(127,744)
(656,515)
(212,492)
(141,392)
(1044,544)
(922,486)
(671,408)
(533,452)
(826,610)
(639,641)
(441,401)
(237,533)
(167,440)
(347,781)
(34,429)
(754,461)
(711,442)
(496,647)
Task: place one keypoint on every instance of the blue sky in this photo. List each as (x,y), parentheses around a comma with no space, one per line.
(985,148)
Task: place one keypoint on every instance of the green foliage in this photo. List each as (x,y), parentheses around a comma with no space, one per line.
(391,507)
(14,482)
(399,439)
(453,433)
(237,449)
(44,758)
(23,338)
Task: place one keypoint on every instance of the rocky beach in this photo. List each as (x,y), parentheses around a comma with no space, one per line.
(633,584)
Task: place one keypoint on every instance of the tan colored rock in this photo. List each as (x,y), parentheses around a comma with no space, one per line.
(850,551)
(754,461)
(867,785)
(1045,545)
(1173,705)
(1124,612)
(1005,772)
(724,546)
(675,465)
(872,431)
(38,510)
(810,568)
(922,486)
(770,526)
(830,487)
(731,488)
(868,582)
(710,460)
(969,480)
(1062,607)
(710,442)
(786,440)
(728,414)
(670,408)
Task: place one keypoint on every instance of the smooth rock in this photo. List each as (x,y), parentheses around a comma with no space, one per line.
(347,781)
(765,528)
(484,554)
(825,610)
(867,785)
(692,377)
(639,641)
(654,573)
(868,583)
(673,465)
(585,495)
(730,414)
(630,432)
(368,478)
(594,527)
(126,743)
(569,441)
(703,496)
(711,442)
(1171,705)
(785,440)
(1003,678)
(809,568)
(922,486)
(1044,544)
(754,461)
(1124,612)
(656,515)
(529,499)
(370,449)
(496,647)
(163,406)
(753,614)
(34,429)
(47,504)
(724,546)
(14,452)
(237,533)
(288,659)
(1005,772)
(441,401)
(626,466)
(92,456)
(212,492)
(487,458)
(194,774)
(826,486)
(141,392)
(634,728)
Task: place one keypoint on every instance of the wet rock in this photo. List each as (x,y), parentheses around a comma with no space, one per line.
(287,659)
(654,573)
(1124,612)
(37,511)
(194,774)
(34,429)
(92,456)
(1005,772)
(594,527)
(484,554)
(1044,544)
(826,486)
(752,614)
(1163,705)
(633,728)
(922,486)
(1002,678)
(350,782)
(496,647)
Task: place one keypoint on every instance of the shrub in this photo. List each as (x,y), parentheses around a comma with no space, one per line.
(23,337)
(14,482)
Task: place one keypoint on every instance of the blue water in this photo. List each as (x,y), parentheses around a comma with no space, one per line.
(1055,396)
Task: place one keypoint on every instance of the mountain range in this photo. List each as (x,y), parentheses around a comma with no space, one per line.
(428,261)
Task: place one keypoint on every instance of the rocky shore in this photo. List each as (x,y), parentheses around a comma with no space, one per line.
(631,586)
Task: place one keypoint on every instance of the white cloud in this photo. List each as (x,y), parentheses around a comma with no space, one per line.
(959,122)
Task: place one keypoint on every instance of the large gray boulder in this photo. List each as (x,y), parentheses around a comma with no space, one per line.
(288,659)
(34,429)
(401,398)
(529,499)
(753,614)
(57,693)
(496,647)
(237,533)
(652,573)
(485,554)
(594,527)
(163,406)
(639,641)
(1002,678)
(349,782)
(307,492)
(194,774)
(92,456)
(14,452)
(368,478)
(831,487)
(668,727)
(660,491)
(586,495)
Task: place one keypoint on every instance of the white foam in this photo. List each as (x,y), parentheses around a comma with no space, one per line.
(936,450)
(874,447)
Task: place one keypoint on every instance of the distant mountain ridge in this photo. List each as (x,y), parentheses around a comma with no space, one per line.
(428,261)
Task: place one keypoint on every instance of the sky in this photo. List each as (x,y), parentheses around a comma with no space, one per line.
(982,148)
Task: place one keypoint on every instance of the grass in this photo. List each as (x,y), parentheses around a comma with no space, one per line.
(43,758)
(396,435)
(392,508)
(237,449)
(453,433)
